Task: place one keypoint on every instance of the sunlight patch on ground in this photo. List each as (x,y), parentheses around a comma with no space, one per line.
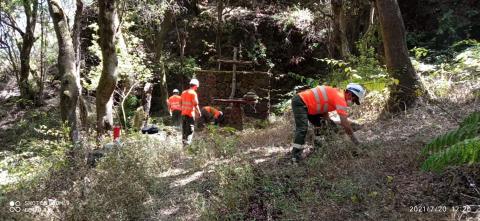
(261,160)
(169,211)
(5,94)
(172,172)
(267,151)
(213,163)
(5,178)
(182,182)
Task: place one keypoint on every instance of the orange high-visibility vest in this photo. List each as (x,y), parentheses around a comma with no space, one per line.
(324,99)
(174,103)
(189,102)
(213,111)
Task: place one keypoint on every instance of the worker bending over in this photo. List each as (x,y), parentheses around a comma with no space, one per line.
(314,104)
(211,114)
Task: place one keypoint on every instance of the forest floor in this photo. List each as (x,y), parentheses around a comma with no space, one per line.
(242,175)
(380,180)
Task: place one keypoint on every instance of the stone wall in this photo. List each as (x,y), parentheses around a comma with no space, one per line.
(217,84)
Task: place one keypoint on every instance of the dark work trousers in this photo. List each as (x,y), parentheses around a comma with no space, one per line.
(176,117)
(188,124)
(205,119)
(300,113)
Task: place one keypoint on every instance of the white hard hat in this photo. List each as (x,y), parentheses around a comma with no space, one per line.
(176,91)
(195,82)
(357,90)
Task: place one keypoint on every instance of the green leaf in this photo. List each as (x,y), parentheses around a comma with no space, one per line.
(464,152)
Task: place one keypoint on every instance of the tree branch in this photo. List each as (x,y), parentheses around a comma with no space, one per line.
(12,23)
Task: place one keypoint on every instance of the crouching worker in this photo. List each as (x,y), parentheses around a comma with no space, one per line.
(189,110)
(314,104)
(211,114)
(175,107)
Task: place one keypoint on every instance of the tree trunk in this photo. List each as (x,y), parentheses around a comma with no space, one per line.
(108,23)
(160,100)
(28,38)
(355,22)
(82,106)
(339,38)
(336,39)
(70,88)
(403,94)
(218,39)
(147,101)
(160,92)
(43,45)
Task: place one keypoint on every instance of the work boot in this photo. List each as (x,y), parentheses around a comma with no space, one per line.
(185,144)
(296,155)
(308,152)
(318,141)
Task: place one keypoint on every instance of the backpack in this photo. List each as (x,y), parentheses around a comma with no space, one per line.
(152,129)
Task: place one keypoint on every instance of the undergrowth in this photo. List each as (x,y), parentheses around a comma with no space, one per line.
(235,185)
(216,142)
(38,145)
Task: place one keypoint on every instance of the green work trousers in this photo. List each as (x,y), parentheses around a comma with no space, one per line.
(300,113)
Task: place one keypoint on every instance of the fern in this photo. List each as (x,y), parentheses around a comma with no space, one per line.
(451,138)
(467,151)
(473,118)
(469,128)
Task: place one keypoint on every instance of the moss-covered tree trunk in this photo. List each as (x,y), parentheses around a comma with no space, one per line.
(70,80)
(108,23)
(403,94)
(82,106)
(28,39)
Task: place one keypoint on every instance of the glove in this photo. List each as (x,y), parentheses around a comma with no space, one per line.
(355,141)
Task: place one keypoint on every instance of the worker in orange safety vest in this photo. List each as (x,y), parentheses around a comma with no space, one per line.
(314,104)
(210,114)
(175,107)
(189,110)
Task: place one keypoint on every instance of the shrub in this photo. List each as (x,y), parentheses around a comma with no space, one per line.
(235,186)
(131,104)
(218,142)
(123,182)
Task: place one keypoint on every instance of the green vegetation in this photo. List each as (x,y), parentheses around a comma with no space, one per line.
(456,147)
(33,147)
(234,189)
(218,142)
